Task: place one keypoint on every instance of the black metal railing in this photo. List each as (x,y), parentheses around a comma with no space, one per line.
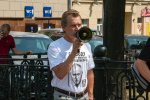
(116,83)
(28,77)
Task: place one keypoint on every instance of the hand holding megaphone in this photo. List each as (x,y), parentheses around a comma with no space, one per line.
(76,46)
(83,35)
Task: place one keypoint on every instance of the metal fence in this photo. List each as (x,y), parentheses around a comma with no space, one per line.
(29,77)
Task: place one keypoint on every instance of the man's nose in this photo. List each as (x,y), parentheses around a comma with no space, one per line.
(77,27)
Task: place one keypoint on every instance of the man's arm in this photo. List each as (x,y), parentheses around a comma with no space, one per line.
(90,86)
(143,69)
(21,52)
(62,69)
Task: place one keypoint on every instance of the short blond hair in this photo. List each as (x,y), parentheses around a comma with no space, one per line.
(65,15)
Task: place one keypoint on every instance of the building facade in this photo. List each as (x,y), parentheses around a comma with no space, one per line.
(32,15)
(137,15)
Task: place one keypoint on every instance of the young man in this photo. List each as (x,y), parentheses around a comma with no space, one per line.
(71,62)
(6,43)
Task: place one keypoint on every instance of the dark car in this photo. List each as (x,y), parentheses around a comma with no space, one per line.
(95,41)
(134,44)
(132,40)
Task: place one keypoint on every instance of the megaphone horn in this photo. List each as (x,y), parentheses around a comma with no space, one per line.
(84,34)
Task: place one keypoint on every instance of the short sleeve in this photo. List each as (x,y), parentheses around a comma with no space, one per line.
(54,55)
(13,45)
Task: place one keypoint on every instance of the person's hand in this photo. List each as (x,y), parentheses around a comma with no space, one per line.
(1,35)
(29,52)
(76,45)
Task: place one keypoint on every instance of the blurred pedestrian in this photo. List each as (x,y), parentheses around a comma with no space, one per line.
(7,43)
(142,64)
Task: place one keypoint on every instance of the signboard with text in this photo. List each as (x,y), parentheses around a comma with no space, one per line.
(29,13)
(47,12)
(145,12)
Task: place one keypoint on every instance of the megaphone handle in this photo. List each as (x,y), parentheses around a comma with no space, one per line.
(78,50)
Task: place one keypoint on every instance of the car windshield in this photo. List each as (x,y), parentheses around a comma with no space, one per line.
(35,44)
(136,40)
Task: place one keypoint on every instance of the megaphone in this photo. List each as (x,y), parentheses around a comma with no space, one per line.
(84,34)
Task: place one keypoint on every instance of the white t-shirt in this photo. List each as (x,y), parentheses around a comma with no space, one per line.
(76,79)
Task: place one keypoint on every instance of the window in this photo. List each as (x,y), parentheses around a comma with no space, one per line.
(85,22)
(100,26)
(139,20)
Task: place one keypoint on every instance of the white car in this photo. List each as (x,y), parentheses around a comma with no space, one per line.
(37,43)
(25,41)
(28,68)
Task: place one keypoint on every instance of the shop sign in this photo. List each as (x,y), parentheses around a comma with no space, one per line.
(47,12)
(145,12)
(29,11)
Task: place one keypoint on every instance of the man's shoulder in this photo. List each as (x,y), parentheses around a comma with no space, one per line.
(58,41)
(9,36)
(88,45)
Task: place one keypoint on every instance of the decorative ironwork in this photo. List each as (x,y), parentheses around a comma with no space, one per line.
(31,80)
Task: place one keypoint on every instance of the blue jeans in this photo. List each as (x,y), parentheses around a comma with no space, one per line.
(61,96)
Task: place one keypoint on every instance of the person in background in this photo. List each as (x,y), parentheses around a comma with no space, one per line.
(7,43)
(71,62)
(143,62)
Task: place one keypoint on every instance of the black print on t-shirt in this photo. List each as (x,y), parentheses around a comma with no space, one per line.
(80,57)
(76,74)
(80,54)
(83,82)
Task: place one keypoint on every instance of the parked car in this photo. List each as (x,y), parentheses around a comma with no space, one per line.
(37,43)
(53,33)
(30,70)
(95,41)
(134,44)
(135,40)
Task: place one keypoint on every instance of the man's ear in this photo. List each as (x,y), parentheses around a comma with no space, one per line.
(63,28)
